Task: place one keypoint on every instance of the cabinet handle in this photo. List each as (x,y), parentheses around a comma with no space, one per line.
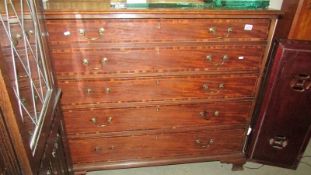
(67,33)
(101,31)
(204,114)
(224,59)
(229,30)
(85,61)
(278,142)
(216,113)
(97,149)
(301,82)
(221,86)
(226,35)
(16,39)
(93,120)
(204,145)
(107,90)
(104,61)
(212,30)
(209,58)
(89,91)
(205,86)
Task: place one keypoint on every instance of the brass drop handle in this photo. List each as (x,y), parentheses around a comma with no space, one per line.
(67,33)
(216,113)
(229,30)
(278,142)
(224,59)
(97,149)
(85,61)
(53,153)
(212,30)
(89,91)
(301,82)
(101,31)
(23,101)
(204,114)
(209,58)
(107,90)
(204,145)
(93,120)
(16,39)
(30,32)
(54,150)
(221,86)
(104,61)
(205,87)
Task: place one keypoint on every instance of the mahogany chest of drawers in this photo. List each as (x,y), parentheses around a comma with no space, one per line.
(155,87)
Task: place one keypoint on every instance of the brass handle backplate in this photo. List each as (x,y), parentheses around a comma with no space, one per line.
(229,30)
(205,86)
(107,90)
(104,61)
(85,61)
(301,82)
(203,144)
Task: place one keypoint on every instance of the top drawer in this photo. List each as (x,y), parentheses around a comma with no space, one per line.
(156,30)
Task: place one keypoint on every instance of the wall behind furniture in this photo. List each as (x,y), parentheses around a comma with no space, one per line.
(276,4)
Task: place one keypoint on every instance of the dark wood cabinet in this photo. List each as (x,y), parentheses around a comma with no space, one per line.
(282,130)
(29,96)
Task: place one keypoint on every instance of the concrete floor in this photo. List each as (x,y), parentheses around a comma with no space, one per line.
(212,168)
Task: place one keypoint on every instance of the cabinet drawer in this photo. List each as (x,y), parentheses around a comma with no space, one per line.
(154,59)
(167,88)
(17,35)
(156,30)
(157,117)
(167,145)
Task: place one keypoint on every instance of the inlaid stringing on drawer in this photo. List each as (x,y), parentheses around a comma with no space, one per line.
(157,117)
(157,146)
(156,30)
(153,89)
(153,59)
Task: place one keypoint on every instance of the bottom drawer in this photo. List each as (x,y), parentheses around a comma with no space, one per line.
(157,146)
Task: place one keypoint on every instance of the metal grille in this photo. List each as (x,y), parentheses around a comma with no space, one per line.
(24,59)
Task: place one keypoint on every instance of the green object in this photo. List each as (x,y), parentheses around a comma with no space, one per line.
(204,4)
(242,4)
(170,5)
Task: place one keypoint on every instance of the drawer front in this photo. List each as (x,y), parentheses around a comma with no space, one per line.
(143,147)
(147,89)
(156,30)
(157,117)
(155,59)
(17,35)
